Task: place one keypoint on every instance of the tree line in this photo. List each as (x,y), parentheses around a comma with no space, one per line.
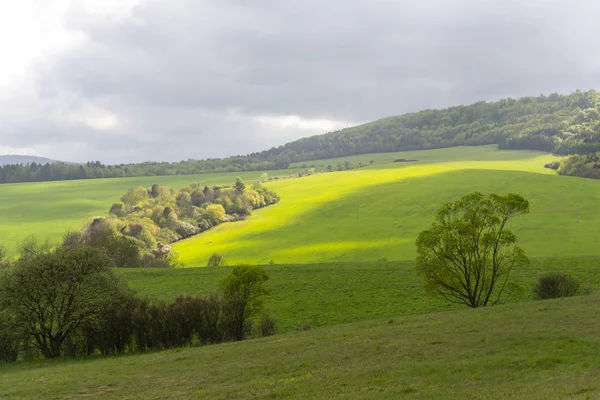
(561,124)
(69,302)
(60,171)
(139,228)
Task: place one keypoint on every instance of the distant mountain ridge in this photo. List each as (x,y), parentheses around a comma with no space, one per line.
(8,159)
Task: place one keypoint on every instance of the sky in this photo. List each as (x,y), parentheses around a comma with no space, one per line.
(166,80)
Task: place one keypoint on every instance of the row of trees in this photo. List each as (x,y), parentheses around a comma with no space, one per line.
(138,230)
(562,124)
(69,302)
(58,171)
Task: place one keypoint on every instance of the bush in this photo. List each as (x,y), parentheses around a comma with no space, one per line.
(216,260)
(556,285)
(267,326)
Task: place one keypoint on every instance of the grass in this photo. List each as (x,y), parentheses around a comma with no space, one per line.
(49,209)
(535,350)
(377,212)
(338,293)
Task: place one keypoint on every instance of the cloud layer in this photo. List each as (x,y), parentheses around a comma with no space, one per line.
(169,80)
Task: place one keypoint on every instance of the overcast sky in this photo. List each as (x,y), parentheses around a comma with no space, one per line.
(135,80)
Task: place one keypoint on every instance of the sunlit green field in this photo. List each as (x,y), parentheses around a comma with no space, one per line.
(376,213)
(536,350)
(48,209)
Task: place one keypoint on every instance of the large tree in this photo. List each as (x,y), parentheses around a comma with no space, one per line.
(243,291)
(467,255)
(52,294)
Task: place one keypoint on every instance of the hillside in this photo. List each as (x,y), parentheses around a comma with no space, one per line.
(316,219)
(49,209)
(17,159)
(536,350)
(561,124)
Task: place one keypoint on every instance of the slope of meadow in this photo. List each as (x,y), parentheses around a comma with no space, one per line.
(537,350)
(48,209)
(376,213)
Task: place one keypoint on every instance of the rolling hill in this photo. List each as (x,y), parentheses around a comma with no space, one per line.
(18,159)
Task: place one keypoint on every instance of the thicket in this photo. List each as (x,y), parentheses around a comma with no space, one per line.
(556,285)
(584,165)
(562,124)
(138,230)
(68,302)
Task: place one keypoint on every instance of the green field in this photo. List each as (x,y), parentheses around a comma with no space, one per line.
(537,350)
(342,246)
(337,293)
(376,212)
(49,209)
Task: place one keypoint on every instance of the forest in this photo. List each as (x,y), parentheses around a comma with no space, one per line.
(561,124)
(138,229)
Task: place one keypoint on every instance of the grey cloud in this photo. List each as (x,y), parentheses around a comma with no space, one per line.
(175,70)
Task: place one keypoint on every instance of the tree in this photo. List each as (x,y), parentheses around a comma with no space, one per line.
(215,260)
(264,177)
(468,254)
(239,186)
(52,294)
(215,213)
(243,291)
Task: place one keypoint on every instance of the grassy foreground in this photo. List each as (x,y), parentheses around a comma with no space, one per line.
(535,350)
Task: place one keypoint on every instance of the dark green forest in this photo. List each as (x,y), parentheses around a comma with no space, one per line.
(561,124)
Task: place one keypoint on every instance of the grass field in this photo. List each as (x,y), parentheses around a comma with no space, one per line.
(48,209)
(377,212)
(537,350)
(337,293)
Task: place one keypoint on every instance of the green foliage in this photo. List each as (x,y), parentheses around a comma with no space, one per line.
(556,285)
(215,260)
(52,294)
(139,228)
(243,292)
(467,255)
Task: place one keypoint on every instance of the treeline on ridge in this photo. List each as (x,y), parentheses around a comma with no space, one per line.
(138,230)
(562,124)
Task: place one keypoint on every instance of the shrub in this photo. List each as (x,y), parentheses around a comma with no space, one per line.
(267,326)
(304,326)
(216,260)
(555,285)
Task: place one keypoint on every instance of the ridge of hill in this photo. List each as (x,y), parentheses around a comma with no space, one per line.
(561,124)
(10,159)
(535,350)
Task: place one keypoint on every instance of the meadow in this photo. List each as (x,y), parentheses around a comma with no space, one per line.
(339,251)
(338,293)
(536,350)
(49,209)
(375,213)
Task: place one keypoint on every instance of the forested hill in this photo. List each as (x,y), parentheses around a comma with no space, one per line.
(556,123)
(18,159)
(562,124)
